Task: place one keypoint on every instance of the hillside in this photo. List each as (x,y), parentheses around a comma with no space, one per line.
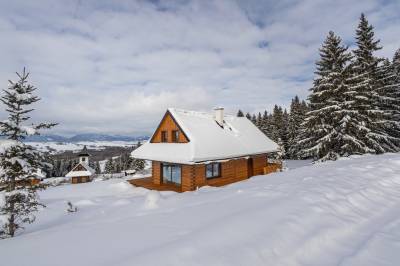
(336,213)
(89,137)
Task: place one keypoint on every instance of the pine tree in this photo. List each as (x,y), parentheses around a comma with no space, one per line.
(396,64)
(240,113)
(331,129)
(281,153)
(138,164)
(277,123)
(109,167)
(259,121)
(254,119)
(264,123)
(19,161)
(368,95)
(390,102)
(296,118)
(97,168)
(267,126)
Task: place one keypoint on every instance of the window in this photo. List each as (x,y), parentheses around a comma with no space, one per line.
(171,173)
(83,159)
(175,135)
(213,170)
(164,136)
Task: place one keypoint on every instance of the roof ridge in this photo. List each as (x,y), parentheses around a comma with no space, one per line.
(193,112)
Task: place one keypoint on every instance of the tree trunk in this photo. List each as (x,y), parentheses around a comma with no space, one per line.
(11,220)
(11,223)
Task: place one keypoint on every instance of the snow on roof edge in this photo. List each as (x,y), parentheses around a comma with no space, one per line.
(243,138)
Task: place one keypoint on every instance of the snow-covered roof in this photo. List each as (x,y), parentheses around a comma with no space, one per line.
(238,137)
(89,171)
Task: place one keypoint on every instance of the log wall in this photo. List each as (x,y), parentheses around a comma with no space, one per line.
(259,162)
(80,179)
(156,172)
(232,171)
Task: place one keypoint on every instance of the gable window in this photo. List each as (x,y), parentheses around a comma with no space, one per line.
(213,170)
(171,173)
(175,135)
(164,136)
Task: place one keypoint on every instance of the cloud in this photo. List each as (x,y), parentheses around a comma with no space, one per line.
(115,66)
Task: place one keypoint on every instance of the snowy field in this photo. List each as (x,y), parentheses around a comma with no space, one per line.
(56,147)
(336,213)
(293,164)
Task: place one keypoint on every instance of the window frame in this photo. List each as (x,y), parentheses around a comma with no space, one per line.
(164,136)
(215,173)
(169,178)
(175,135)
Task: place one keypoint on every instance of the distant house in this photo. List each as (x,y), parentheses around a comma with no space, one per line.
(82,172)
(192,149)
(38,177)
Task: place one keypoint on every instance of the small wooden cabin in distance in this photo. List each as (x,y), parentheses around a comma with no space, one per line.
(192,149)
(82,172)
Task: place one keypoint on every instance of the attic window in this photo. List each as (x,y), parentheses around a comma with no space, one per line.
(175,135)
(164,136)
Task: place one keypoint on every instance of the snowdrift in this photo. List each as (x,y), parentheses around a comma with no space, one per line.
(336,213)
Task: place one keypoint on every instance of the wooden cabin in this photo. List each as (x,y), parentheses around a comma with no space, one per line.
(82,172)
(193,149)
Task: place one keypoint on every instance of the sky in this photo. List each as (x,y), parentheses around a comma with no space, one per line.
(115,66)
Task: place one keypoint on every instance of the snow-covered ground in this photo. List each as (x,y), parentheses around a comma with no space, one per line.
(76,146)
(335,213)
(293,164)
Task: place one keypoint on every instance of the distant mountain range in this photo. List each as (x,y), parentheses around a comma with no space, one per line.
(83,137)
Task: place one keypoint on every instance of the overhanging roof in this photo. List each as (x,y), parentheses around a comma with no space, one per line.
(238,137)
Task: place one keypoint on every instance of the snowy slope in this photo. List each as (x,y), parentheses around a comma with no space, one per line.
(336,213)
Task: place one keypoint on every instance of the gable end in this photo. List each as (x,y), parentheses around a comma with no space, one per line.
(169,124)
(79,167)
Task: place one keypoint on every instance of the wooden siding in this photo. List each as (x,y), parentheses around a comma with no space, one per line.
(168,124)
(272,167)
(156,172)
(194,176)
(188,178)
(231,171)
(200,175)
(80,179)
(259,162)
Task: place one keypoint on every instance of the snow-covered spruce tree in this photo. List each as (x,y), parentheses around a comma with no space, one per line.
(276,116)
(240,113)
(254,119)
(267,126)
(296,118)
(97,168)
(138,164)
(389,89)
(332,128)
(109,166)
(368,96)
(19,161)
(277,123)
(259,121)
(396,64)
